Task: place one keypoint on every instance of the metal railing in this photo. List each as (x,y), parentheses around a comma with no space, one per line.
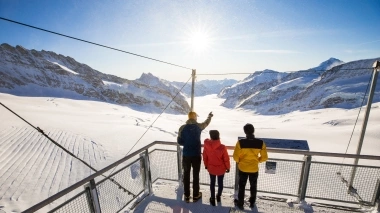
(303,179)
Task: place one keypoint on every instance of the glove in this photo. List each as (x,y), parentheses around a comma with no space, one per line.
(210,115)
(227,171)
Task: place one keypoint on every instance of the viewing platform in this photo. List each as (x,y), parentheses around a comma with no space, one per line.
(167,197)
(148,180)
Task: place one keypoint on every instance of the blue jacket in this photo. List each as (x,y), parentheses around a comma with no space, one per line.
(189,136)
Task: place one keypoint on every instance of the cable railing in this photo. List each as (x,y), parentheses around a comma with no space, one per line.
(302,179)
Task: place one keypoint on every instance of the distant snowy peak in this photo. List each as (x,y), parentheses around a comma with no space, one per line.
(149,79)
(326,65)
(265,72)
(205,87)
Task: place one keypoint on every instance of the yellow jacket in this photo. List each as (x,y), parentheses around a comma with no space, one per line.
(249,152)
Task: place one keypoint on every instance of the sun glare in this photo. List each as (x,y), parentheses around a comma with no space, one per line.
(199,41)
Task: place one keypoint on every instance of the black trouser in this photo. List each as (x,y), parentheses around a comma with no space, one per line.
(243,176)
(187,163)
(212,185)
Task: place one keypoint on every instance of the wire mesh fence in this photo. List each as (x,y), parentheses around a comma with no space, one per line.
(112,197)
(163,164)
(323,181)
(285,180)
(79,203)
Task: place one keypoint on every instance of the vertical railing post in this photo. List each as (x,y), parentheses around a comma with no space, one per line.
(179,164)
(376,195)
(301,179)
(236,186)
(147,173)
(376,69)
(93,196)
(192,89)
(304,178)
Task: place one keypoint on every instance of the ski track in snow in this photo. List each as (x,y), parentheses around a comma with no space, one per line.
(31,164)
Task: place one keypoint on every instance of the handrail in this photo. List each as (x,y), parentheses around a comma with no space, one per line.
(100,172)
(326,154)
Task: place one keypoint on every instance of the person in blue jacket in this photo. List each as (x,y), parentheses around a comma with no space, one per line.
(189,136)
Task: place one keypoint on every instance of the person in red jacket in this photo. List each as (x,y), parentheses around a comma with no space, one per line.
(217,163)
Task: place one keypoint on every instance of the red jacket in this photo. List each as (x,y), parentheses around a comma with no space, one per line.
(215,157)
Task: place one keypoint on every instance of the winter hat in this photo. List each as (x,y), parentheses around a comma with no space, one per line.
(192,115)
(214,134)
(249,129)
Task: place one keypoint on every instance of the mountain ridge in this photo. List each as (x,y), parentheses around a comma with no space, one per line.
(333,83)
(270,92)
(44,73)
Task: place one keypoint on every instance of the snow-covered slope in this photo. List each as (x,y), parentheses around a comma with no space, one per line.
(269,92)
(101,133)
(46,74)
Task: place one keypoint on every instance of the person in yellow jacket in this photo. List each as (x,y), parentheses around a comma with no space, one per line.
(248,153)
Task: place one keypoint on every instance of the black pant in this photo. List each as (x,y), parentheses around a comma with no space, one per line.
(243,176)
(212,185)
(187,163)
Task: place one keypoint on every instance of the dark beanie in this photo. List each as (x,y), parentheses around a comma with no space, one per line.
(249,129)
(214,134)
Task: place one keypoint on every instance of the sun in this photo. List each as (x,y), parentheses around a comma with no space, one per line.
(199,41)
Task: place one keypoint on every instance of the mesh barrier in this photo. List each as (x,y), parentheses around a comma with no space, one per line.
(324,182)
(78,203)
(163,164)
(282,182)
(284,178)
(111,197)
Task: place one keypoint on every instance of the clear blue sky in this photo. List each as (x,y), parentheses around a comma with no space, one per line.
(227,36)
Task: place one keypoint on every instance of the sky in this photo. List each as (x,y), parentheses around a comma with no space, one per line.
(213,37)
(102,133)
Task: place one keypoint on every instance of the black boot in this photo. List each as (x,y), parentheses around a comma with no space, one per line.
(212,201)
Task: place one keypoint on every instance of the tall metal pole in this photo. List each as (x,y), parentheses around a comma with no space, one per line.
(192,89)
(376,68)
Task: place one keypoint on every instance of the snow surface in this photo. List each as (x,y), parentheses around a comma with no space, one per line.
(65,68)
(102,133)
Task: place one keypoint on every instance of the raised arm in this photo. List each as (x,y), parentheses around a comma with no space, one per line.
(205,123)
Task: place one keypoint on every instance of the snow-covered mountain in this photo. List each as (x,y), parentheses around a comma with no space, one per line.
(333,84)
(326,65)
(47,74)
(204,87)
